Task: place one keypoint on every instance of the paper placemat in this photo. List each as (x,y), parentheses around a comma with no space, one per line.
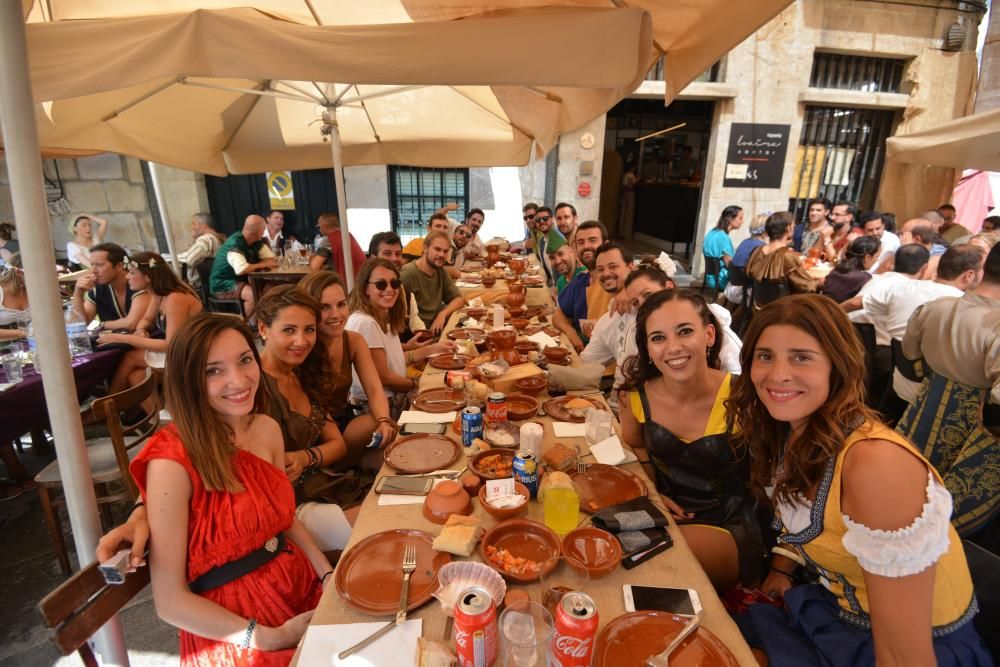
(420,417)
(322,643)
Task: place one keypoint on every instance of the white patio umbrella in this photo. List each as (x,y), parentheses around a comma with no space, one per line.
(970,142)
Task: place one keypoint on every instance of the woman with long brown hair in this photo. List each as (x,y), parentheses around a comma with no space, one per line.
(231,566)
(378,315)
(171,305)
(854,500)
(349,355)
(675,409)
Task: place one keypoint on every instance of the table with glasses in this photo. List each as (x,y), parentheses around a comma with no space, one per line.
(676,567)
(261,281)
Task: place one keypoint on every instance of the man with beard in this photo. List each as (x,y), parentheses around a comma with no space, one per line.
(104,292)
(583,301)
(545,235)
(564,264)
(461,240)
(474,222)
(415,248)
(426,279)
(808,235)
(528,215)
(566,220)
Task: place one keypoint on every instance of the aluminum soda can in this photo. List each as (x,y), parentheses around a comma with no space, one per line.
(525,470)
(496,407)
(475,628)
(576,623)
(472,425)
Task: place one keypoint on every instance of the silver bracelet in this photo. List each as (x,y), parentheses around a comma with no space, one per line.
(249,635)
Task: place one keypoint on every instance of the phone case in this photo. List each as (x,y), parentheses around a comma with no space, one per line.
(379,488)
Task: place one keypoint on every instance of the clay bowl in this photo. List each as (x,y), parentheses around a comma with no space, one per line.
(526,347)
(556,354)
(502,514)
(596,550)
(474,463)
(532,386)
(521,407)
(519,323)
(489,281)
(522,539)
(476,313)
(445,499)
(472,483)
(517,312)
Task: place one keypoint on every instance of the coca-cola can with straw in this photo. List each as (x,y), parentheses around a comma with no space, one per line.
(576,629)
(475,628)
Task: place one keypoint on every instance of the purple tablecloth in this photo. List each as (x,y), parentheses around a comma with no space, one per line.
(22,408)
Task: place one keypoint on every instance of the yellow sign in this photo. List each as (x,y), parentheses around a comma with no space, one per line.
(279,190)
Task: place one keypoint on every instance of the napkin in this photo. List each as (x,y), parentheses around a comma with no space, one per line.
(569,430)
(609,451)
(463,283)
(403,499)
(476,303)
(322,643)
(543,339)
(420,417)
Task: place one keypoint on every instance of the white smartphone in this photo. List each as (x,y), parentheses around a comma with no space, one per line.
(654,598)
(407,486)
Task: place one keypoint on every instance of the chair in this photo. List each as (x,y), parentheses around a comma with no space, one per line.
(910,369)
(83,604)
(767,291)
(713,267)
(213,304)
(984,568)
(109,458)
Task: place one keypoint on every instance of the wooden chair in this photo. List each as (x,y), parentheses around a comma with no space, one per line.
(83,604)
(213,304)
(109,458)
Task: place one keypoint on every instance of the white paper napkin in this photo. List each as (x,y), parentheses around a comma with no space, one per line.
(569,430)
(463,283)
(322,643)
(420,417)
(543,339)
(401,499)
(609,451)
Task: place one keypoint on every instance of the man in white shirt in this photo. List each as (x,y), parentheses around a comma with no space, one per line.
(206,243)
(272,232)
(910,263)
(874,226)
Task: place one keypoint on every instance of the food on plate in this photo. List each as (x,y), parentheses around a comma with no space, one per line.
(466,347)
(434,654)
(504,434)
(477,389)
(478,445)
(496,465)
(560,457)
(492,369)
(460,535)
(508,562)
(577,407)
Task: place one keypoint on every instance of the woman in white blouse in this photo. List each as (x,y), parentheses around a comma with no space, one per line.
(854,502)
(379,315)
(84,236)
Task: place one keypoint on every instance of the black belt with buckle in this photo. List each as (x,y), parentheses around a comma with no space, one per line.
(234,569)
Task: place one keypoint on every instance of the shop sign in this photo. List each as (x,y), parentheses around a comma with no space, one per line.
(279,190)
(756,155)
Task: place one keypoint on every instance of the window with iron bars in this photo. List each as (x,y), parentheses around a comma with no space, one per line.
(850,72)
(840,156)
(416,192)
(711,75)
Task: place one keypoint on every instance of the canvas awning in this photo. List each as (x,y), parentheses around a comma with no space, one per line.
(971,142)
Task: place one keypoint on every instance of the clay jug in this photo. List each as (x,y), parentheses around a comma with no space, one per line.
(515,294)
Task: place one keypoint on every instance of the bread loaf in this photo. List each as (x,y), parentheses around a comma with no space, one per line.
(560,457)
(434,654)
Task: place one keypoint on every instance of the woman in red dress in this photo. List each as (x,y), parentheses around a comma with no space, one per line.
(215,489)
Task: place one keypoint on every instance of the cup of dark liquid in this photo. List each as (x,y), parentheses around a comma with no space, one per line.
(556,387)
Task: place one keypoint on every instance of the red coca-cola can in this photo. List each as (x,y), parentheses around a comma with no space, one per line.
(576,628)
(475,628)
(496,407)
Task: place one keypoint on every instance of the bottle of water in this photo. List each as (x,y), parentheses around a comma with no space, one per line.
(76,332)
(33,348)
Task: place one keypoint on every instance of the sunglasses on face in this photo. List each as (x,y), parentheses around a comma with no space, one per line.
(529,217)
(380,285)
(542,218)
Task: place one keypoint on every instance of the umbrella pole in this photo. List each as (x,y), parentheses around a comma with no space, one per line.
(154,173)
(338,177)
(34,232)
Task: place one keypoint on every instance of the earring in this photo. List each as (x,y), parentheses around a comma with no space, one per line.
(708,351)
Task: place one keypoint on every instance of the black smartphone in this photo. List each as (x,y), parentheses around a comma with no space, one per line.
(407,486)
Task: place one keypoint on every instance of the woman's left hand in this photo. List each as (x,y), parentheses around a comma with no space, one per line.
(111,338)
(293,466)
(388,432)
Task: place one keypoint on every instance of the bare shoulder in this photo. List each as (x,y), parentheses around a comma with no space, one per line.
(884,485)
(266,433)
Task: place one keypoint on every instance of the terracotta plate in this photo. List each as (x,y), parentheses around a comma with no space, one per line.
(629,640)
(442,399)
(522,539)
(552,331)
(419,453)
(471,278)
(370,579)
(533,280)
(556,408)
(466,334)
(603,486)
(450,362)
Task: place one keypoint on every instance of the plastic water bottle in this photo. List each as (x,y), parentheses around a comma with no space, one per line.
(33,348)
(76,332)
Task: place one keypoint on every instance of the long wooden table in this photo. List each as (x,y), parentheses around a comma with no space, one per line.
(677,567)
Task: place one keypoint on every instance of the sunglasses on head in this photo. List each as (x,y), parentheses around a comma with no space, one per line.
(543,218)
(381,284)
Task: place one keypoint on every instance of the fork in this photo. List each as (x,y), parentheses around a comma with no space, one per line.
(408,566)
(581,467)
(662,659)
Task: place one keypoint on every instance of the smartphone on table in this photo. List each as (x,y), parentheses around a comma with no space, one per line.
(405,486)
(435,429)
(684,601)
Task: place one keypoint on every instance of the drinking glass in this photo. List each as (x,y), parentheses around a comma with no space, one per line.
(597,426)
(12,367)
(526,630)
(565,575)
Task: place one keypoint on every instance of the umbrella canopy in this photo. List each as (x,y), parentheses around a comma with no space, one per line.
(971,142)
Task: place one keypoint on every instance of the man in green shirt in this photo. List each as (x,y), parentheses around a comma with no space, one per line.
(426,279)
(240,255)
(564,263)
